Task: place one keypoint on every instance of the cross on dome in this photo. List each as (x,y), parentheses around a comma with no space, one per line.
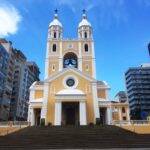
(84,14)
(84,21)
(56,13)
(56,21)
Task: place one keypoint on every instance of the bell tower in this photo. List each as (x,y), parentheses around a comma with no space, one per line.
(53,60)
(85,37)
(84,29)
(55,28)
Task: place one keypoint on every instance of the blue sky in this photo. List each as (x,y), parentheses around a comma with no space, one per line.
(121,31)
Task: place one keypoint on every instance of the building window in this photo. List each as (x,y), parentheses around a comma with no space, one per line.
(86,48)
(124,118)
(54,47)
(87,67)
(70,82)
(70,60)
(55,35)
(123,110)
(53,67)
(85,35)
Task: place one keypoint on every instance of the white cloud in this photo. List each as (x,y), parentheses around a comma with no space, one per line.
(9,20)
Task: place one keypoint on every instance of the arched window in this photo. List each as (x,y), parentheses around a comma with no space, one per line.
(86,47)
(70,60)
(53,67)
(123,110)
(54,34)
(54,47)
(87,67)
(85,35)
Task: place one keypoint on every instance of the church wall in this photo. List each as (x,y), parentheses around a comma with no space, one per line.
(70,46)
(101,93)
(53,65)
(82,85)
(119,114)
(38,94)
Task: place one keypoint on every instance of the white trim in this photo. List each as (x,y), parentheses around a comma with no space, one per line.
(58,108)
(47,60)
(80,57)
(109,115)
(45,101)
(82,111)
(58,74)
(60,57)
(93,61)
(70,77)
(32,93)
(75,98)
(95,101)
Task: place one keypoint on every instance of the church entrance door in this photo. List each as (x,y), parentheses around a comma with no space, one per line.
(70,113)
(103,115)
(37,113)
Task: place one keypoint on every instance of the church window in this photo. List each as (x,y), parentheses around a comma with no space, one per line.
(53,67)
(86,48)
(54,47)
(85,35)
(124,118)
(87,67)
(54,34)
(123,110)
(70,82)
(70,60)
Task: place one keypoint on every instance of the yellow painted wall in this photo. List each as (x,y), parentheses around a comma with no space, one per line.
(101,93)
(38,94)
(140,129)
(116,116)
(57,85)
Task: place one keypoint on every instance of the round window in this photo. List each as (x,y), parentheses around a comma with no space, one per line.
(70,82)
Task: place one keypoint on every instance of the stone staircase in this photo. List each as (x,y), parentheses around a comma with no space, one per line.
(73,137)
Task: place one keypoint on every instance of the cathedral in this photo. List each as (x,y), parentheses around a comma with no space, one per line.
(70,93)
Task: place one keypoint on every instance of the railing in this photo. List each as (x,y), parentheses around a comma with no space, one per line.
(14,124)
(132,122)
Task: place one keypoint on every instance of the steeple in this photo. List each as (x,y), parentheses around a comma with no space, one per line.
(84,28)
(55,27)
(55,21)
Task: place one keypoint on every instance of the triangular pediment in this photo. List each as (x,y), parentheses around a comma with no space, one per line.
(70,69)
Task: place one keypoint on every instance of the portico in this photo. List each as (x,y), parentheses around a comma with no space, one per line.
(73,102)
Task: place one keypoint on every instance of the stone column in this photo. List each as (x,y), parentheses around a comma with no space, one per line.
(32,117)
(45,101)
(82,109)
(109,115)
(120,114)
(95,100)
(58,110)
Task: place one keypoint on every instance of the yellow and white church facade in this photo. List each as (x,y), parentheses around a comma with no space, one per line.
(70,93)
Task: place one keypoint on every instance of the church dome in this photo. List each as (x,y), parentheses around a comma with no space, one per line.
(84,21)
(56,21)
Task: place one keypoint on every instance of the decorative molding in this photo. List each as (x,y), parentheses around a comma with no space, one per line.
(58,108)
(76,98)
(65,70)
(72,77)
(95,101)
(82,113)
